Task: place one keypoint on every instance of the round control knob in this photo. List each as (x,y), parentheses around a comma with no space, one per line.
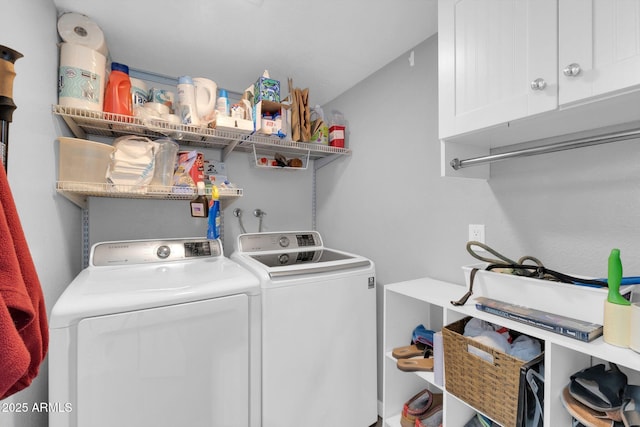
(538,84)
(572,70)
(163,251)
(283,259)
(284,241)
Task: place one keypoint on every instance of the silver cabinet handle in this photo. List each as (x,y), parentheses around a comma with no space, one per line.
(538,84)
(572,70)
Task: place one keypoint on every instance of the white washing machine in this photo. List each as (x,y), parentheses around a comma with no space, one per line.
(318,330)
(156,333)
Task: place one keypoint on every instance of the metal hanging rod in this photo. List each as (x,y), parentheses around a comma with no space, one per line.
(561,146)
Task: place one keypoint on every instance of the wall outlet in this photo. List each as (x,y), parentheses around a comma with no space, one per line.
(476,232)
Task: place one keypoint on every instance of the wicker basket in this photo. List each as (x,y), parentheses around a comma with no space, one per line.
(482,376)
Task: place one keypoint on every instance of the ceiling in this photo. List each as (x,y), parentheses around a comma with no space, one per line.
(327,46)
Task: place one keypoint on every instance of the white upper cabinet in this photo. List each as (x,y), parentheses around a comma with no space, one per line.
(599,50)
(497,62)
(514,71)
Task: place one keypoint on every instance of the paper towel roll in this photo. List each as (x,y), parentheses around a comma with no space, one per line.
(617,324)
(81,77)
(79,29)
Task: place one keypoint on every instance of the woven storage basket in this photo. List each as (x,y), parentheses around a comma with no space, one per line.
(491,386)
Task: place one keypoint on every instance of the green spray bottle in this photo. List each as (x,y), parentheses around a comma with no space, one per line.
(617,309)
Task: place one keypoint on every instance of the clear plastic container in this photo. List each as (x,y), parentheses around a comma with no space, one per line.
(166,155)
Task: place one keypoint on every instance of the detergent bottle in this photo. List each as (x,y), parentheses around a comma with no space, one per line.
(117,96)
(213,232)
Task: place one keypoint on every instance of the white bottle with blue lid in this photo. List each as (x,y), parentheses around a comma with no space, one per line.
(222,103)
(187,101)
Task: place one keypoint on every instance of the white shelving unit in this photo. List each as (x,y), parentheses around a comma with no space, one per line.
(84,122)
(427,301)
(78,192)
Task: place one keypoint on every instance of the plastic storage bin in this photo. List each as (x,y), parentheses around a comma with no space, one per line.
(82,160)
(578,302)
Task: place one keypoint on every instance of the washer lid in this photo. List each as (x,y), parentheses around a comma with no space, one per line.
(101,290)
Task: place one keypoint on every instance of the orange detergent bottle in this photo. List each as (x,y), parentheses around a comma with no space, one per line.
(117,97)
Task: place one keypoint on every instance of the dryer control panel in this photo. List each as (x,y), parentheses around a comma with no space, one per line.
(148,251)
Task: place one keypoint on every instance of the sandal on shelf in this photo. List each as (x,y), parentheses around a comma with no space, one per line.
(421,338)
(587,416)
(424,363)
(408,351)
(599,389)
(630,411)
(415,407)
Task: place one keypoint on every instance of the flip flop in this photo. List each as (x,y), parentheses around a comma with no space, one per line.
(424,363)
(408,351)
(421,338)
(599,389)
(587,416)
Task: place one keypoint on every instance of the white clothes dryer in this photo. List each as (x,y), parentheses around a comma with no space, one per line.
(155,333)
(318,330)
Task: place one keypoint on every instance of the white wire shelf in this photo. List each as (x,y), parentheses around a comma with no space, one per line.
(77,192)
(263,158)
(83,122)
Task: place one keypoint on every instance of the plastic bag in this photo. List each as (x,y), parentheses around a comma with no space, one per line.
(132,162)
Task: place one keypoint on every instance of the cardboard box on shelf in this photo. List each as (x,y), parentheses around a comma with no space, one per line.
(271,126)
(215,172)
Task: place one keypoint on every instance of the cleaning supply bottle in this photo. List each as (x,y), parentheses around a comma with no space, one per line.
(213,232)
(187,109)
(117,96)
(617,309)
(200,205)
(222,103)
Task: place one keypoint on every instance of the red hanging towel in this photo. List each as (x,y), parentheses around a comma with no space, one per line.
(24,335)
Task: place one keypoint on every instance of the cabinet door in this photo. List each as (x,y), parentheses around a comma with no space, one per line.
(603,38)
(490,51)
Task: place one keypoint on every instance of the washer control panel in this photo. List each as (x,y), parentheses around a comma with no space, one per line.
(264,242)
(149,251)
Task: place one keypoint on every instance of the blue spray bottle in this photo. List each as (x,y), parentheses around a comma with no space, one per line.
(213,231)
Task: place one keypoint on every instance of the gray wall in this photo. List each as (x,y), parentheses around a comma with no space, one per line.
(51,224)
(388,202)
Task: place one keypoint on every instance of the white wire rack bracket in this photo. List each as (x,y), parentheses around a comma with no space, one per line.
(568,142)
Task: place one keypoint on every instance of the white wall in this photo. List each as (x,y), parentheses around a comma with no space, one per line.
(50,223)
(388,202)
